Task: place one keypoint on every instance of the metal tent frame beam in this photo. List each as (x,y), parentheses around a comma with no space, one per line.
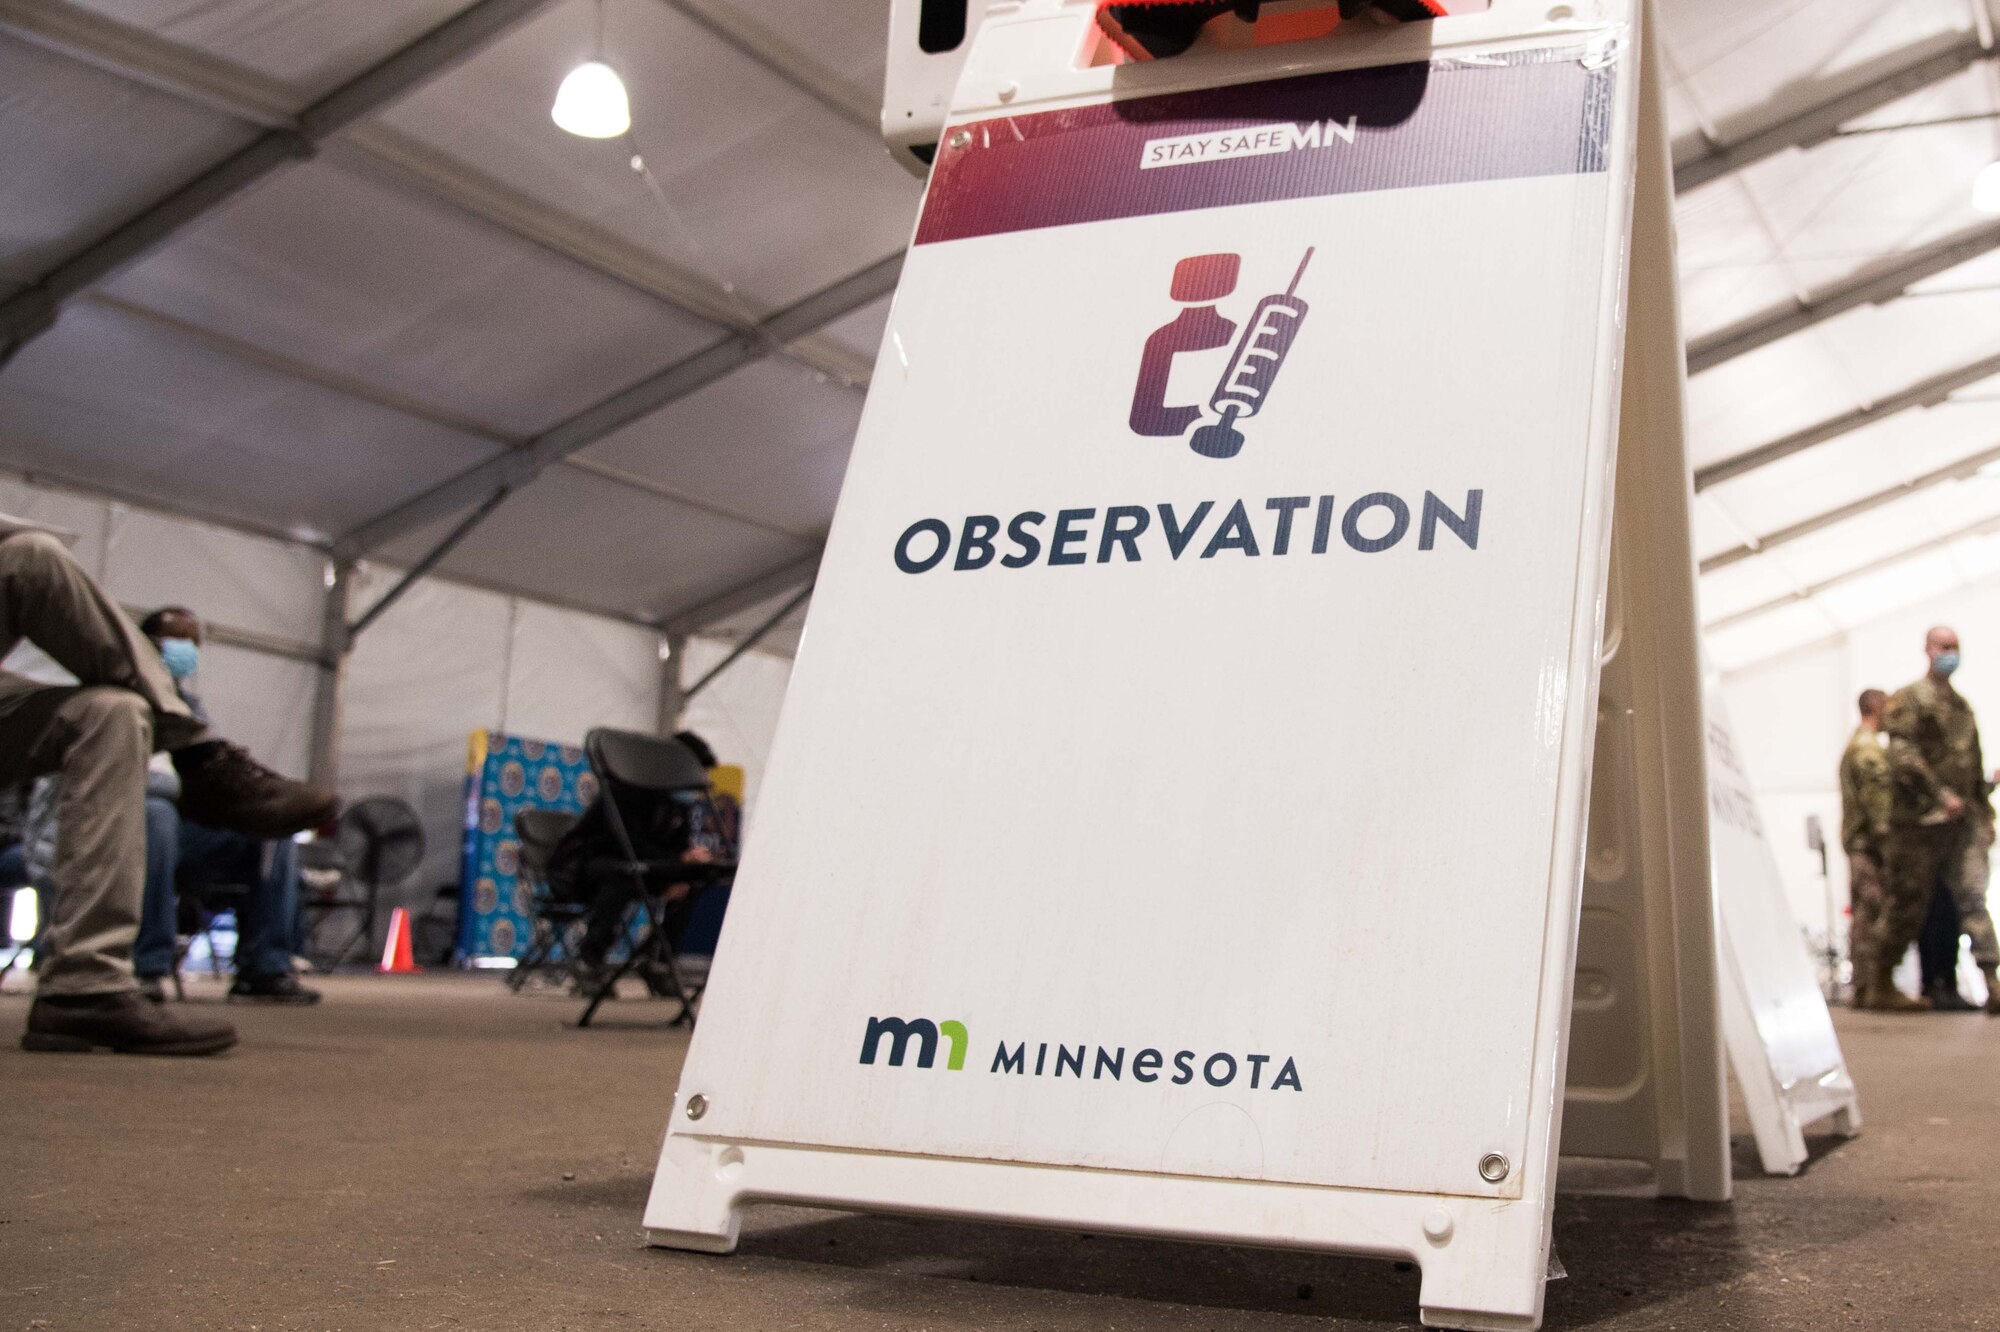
(1926,393)
(1898,76)
(621,409)
(404,162)
(1924,547)
(764,47)
(142,57)
(1877,284)
(1819,522)
(403,405)
(32,311)
(752,592)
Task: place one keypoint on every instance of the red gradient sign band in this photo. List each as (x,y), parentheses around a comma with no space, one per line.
(1543,113)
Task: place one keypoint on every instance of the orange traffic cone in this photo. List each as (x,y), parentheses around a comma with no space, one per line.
(396,957)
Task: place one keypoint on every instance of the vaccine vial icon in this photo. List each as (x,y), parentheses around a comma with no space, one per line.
(1199,283)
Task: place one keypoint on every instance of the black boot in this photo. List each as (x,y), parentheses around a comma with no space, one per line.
(1945,998)
(223,787)
(121,1021)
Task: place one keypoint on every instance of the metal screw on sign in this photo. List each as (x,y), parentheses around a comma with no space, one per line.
(1493,1167)
(962,139)
(698,1106)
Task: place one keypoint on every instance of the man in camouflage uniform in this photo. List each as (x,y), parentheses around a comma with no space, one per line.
(1939,794)
(1864,828)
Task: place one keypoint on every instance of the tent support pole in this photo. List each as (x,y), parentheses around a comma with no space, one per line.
(429,561)
(673,698)
(755,637)
(325,760)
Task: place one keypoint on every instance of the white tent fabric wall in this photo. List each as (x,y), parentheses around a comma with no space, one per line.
(1794,712)
(447,660)
(738,713)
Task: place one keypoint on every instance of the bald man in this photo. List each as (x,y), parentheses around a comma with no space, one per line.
(1940,800)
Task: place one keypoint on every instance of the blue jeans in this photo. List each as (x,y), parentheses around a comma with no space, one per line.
(179,852)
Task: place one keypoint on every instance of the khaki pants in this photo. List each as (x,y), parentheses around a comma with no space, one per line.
(98,735)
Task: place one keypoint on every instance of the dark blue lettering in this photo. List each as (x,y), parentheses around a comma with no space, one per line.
(1238,522)
(1065,1059)
(936,529)
(1178,536)
(1017,1062)
(1288,1076)
(1286,507)
(975,542)
(1116,533)
(1030,544)
(1183,1068)
(1115,1063)
(1208,1070)
(1256,1063)
(1066,536)
(1323,525)
(1466,524)
(1146,1066)
(1399,522)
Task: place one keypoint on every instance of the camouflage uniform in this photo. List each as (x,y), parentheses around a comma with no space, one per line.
(1973,880)
(1864,828)
(1933,749)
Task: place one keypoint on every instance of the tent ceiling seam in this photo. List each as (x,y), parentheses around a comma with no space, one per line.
(766,49)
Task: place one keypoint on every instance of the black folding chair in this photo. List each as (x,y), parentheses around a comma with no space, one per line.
(634,773)
(556,921)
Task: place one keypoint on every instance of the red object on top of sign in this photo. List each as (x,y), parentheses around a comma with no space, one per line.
(1154,29)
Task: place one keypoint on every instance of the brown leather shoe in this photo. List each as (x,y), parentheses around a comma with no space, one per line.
(124,1022)
(223,787)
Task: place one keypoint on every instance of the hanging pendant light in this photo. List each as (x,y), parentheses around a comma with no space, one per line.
(591,102)
(1986,189)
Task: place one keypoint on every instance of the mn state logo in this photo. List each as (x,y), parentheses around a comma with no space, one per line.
(1200,283)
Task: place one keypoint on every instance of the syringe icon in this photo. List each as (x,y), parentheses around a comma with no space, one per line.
(1259,355)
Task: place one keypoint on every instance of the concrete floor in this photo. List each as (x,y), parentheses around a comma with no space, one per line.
(429,1152)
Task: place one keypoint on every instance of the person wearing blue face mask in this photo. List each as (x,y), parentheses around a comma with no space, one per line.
(180,851)
(1940,813)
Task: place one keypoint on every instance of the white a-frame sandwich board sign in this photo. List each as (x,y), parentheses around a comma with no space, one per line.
(1178,820)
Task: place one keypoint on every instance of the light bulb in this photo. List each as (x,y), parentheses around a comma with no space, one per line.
(1986,189)
(591,103)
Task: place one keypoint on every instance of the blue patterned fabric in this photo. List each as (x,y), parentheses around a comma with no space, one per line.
(507,774)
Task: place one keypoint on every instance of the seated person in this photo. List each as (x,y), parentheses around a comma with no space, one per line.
(96,734)
(585,866)
(183,853)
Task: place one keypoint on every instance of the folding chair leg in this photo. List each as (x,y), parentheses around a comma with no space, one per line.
(538,951)
(663,956)
(604,991)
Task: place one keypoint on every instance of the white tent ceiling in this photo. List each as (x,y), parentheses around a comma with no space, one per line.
(450,279)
